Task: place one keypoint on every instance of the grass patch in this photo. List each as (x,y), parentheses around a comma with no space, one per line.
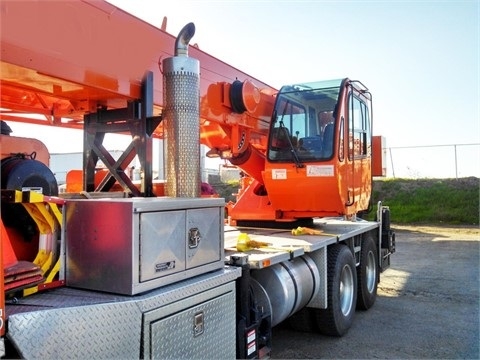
(432,201)
(420,201)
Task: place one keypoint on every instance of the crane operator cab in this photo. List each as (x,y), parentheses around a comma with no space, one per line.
(318,161)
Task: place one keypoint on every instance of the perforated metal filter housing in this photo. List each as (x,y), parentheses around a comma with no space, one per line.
(181,113)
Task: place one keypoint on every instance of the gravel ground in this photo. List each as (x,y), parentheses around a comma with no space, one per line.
(427,305)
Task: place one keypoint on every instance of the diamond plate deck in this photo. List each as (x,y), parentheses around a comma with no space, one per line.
(83,324)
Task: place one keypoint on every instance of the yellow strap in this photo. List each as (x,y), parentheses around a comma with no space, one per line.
(53,272)
(42,217)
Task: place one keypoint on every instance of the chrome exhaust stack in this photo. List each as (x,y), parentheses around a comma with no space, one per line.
(181,114)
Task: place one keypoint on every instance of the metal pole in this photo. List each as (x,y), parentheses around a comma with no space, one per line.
(456,170)
(391,161)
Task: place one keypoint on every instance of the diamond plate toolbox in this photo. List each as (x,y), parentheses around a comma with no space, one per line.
(204,325)
(132,245)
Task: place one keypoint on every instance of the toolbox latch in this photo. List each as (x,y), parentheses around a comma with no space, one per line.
(198,324)
(193,238)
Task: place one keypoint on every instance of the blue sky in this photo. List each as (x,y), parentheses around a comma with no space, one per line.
(420,59)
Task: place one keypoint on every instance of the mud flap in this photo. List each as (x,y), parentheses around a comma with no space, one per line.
(388,239)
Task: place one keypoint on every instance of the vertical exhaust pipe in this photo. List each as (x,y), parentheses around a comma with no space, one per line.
(181,114)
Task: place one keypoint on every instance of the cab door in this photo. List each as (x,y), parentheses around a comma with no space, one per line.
(359,176)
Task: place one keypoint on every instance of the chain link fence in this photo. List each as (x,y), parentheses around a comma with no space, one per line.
(450,161)
(434,161)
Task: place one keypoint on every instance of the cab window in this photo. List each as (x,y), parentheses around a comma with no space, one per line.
(359,128)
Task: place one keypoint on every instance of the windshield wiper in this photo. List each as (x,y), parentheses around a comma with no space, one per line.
(296,159)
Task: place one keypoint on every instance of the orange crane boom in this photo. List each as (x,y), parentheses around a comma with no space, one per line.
(98,58)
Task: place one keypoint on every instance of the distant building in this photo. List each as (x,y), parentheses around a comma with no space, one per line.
(61,163)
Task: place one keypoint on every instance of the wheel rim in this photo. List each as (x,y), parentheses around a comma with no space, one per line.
(346,290)
(370,272)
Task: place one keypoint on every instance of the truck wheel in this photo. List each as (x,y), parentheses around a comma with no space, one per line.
(367,274)
(337,318)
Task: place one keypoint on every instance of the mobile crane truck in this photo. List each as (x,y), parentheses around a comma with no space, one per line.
(149,268)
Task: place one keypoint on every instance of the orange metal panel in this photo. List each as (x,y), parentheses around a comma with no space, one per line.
(11,145)
(303,191)
(8,254)
(379,166)
(74,182)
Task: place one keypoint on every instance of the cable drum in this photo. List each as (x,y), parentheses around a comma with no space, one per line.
(21,173)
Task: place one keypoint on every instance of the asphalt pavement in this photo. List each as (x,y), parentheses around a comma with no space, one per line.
(427,305)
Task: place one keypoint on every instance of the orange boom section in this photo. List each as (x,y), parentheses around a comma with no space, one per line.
(62,60)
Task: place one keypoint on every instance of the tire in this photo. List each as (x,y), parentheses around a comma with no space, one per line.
(337,319)
(367,274)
